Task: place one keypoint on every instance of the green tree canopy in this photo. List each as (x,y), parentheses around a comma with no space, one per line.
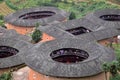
(72,16)
(56,0)
(37,35)
(6,76)
(1,17)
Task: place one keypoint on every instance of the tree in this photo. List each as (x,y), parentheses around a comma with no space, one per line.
(1,17)
(37,36)
(72,16)
(49,4)
(1,0)
(73,3)
(118,65)
(113,68)
(65,1)
(4,26)
(105,68)
(110,67)
(111,40)
(118,0)
(55,1)
(1,22)
(37,25)
(6,76)
(117,77)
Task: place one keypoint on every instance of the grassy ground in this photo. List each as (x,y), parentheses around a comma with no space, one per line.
(117,49)
(79,7)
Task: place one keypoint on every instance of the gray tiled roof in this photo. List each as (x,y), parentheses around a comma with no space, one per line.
(15,20)
(2,30)
(95,18)
(99,35)
(106,33)
(18,44)
(13,34)
(58,30)
(55,32)
(38,58)
(77,23)
(98,32)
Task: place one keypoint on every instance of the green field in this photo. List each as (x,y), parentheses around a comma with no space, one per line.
(4,9)
(79,7)
(117,49)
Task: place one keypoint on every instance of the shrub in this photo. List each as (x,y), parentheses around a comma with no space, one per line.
(113,68)
(117,77)
(65,1)
(37,25)
(37,36)
(4,26)
(1,22)
(11,5)
(54,1)
(6,76)
(72,16)
(1,17)
(105,68)
(49,4)
(1,0)
(118,65)
(117,0)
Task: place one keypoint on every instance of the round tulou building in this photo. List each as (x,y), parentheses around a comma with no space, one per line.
(74,54)
(67,59)
(11,45)
(23,21)
(69,50)
(10,50)
(106,18)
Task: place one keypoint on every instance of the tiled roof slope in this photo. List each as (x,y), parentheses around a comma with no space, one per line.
(95,18)
(14,19)
(41,61)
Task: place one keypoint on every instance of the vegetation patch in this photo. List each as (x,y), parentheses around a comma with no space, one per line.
(11,5)
(6,76)
(36,35)
(79,8)
(1,1)
(117,49)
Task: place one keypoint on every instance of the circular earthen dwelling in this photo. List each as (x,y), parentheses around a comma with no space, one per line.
(10,49)
(23,21)
(67,58)
(106,18)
